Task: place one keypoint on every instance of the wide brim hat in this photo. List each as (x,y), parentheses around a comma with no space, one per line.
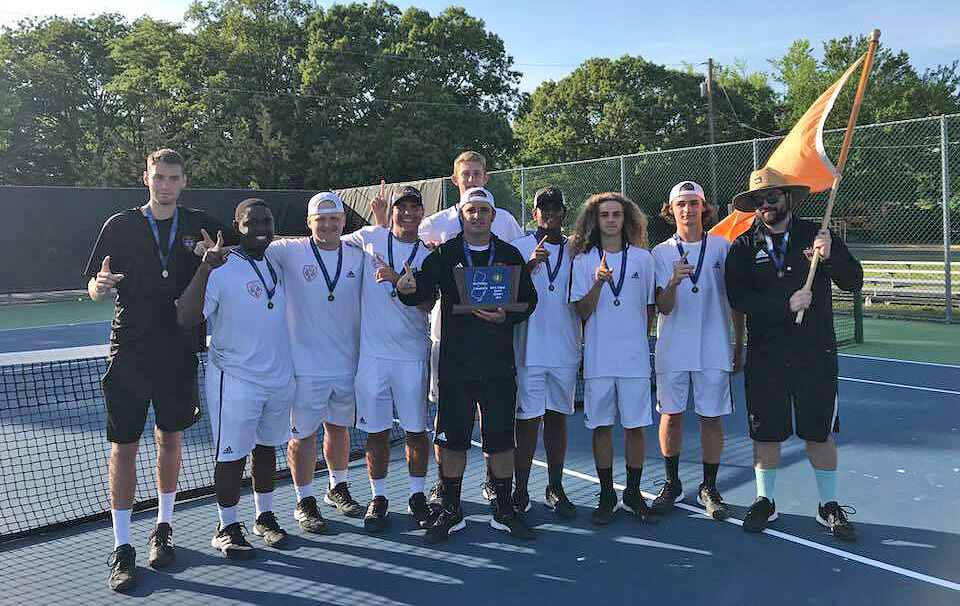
(765,179)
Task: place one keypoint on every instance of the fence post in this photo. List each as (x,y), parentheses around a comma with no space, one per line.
(756,156)
(945,195)
(623,175)
(523,199)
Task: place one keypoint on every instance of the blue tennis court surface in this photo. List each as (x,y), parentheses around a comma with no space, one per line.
(899,464)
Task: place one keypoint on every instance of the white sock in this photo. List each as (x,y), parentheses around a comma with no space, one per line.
(263,501)
(165,501)
(303,491)
(121,526)
(228,515)
(416,485)
(337,476)
(378,487)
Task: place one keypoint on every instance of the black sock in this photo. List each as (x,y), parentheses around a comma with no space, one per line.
(554,474)
(451,492)
(710,474)
(439,471)
(502,487)
(672,467)
(606,480)
(633,478)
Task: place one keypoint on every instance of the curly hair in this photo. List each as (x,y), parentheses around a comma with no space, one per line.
(708,216)
(586,232)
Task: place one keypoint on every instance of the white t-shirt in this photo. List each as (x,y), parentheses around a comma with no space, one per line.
(445,224)
(388,328)
(248,338)
(324,334)
(696,334)
(615,340)
(551,336)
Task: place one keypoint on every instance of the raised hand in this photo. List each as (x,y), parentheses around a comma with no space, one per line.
(215,254)
(407,283)
(494,317)
(822,243)
(106,279)
(681,270)
(383,272)
(602,274)
(539,254)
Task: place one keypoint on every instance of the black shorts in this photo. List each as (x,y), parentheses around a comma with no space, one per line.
(135,377)
(780,391)
(457,409)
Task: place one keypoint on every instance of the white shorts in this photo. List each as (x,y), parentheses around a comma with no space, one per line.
(711,392)
(244,415)
(603,397)
(384,384)
(322,400)
(542,388)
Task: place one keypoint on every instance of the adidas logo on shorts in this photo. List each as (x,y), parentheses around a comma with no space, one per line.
(294,430)
(227,450)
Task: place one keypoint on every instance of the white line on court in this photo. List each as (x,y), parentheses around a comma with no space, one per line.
(68,325)
(897,360)
(885,384)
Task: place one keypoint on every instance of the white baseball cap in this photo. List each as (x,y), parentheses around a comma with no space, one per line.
(686,188)
(477,194)
(324,203)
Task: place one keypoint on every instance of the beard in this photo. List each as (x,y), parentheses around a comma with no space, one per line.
(778,215)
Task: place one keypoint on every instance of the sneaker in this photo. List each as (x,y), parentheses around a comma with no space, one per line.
(670,493)
(123,568)
(448,522)
(762,512)
(489,491)
(339,497)
(436,491)
(375,519)
(309,516)
(834,517)
(268,529)
(231,543)
(557,500)
(634,502)
(513,522)
(521,501)
(710,498)
(160,546)
(605,510)
(418,507)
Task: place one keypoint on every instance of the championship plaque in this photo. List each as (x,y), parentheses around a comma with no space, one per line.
(488,287)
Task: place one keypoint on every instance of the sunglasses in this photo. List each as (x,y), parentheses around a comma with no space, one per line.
(771,198)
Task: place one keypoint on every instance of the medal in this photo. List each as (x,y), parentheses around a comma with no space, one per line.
(695,289)
(164,258)
(552,287)
(552,272)
(695,275)
(269,304)
(623,274)
(330,297)
(165,273)
(778,254)
(393,293)
(331,284)
(273,276)
(616,302)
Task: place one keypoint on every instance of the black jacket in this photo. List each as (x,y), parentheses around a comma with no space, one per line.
(753,287)
(471,347)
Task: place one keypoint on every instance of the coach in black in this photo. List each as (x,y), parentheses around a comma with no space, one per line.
(147,254)
(476,364)
(791,369)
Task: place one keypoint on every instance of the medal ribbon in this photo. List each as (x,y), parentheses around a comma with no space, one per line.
(164,258)
(413,254)
(466,252)
(552,273)
(703,250)
(623,271)
(331,285)
(778,255)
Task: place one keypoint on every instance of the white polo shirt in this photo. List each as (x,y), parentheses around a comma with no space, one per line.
(324,334)
(389,329)
(696,334)
(248,338)
(551,336)
(615,339)
(445,224)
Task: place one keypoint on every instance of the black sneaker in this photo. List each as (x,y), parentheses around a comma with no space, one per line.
(231,543)
(762,512)
(339,497)
(375,519)
(513,522)
(309,516)
(268,529)
(834,517)
(710,498)
(557,500)
(634,502)
(160,546)
(489,491)
(436,491)
(448,522)
(418,507)
(521,501)
(605,510)
(670,492)
(123,568)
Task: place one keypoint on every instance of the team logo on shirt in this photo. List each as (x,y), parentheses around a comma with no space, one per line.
(350,274)
(309,273)
(189,242)
(716,265)
(761,257)
(636,275)
(255,289)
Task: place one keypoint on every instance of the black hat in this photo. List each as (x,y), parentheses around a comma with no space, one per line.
(547,195)
(408,192)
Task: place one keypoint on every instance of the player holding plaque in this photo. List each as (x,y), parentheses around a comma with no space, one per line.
(476,362)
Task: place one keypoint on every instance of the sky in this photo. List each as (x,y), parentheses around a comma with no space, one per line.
(548,39)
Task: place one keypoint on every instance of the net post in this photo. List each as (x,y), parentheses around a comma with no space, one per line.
(945,197)
(523,198)
(756,155)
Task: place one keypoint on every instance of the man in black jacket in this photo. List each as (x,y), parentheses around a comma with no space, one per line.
(476,364)
(791,369)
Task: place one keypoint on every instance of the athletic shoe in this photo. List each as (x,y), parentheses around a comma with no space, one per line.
(834,517)
(489,491)
(436,491)
(418,507)
(339,497)
(670,492)
(557,500)
(375,519)
(123,568)
(634,502)
(448,522)
(521,501)
(710,498)
(309,516)
(513,522)
(762,512)
(231,543)
(160,546)
(268,529)
(605,510)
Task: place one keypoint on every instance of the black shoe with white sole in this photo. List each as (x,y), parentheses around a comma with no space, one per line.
(710,498)
(762,512)
(834,516)
(375,520)
(231,543)
(556,499)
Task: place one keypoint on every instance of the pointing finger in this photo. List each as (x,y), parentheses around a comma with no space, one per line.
(603,261)
(105,266)
(206,236)
(406,267)
(219,239)
(540,243)
(383,186)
